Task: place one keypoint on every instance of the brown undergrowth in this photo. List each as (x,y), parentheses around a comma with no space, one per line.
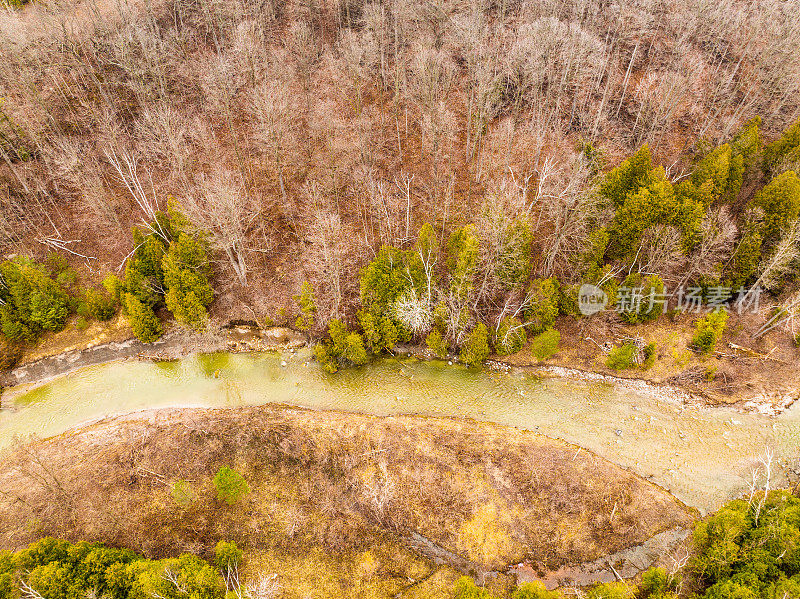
(744,369)
(334,496)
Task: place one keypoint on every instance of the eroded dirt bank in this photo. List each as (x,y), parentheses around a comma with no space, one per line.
(330,483)
(175,344)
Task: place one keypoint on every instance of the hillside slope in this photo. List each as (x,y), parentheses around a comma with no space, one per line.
(302,136)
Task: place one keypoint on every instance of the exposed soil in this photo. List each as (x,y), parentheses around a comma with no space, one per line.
(628,563)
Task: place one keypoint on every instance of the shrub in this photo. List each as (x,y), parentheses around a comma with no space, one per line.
(115,287)
(545,345)
(99,305)
(638,212)
(354,351)
(534,590)
(510,336)
(308,307)
(650,353)
(185,270)
(56,263)
(230,485)
(187,307)
(644,298)
(56,569)
(67,279)
(612,590)
(143,272)
(749,549)
(568,300)
(467,589)
(81,324)
(722,170)
(82,310)
(168,267)
(655,203)
(654,581)
(145,324)
(514,265)
(592,259)
(182,493)
(747,142)
(476,347)
(621,358)
(746,257)
(780,202)
(390,274)
(227,556)
(437,344)
(380,332)
(7,572)
(343,347)
(709,330)
(784,149)
(197,578)
(632,174)
(462,250)
(322,353)
(30,301)
(542,305)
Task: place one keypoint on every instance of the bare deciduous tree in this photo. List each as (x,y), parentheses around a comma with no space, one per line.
(271,108)
(265,586)
(221,208)
(763,469)
(563,212)
(380,490)
(777,265)
(327,257)
(715,246)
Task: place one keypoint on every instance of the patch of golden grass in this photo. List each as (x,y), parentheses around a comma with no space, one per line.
(486,536)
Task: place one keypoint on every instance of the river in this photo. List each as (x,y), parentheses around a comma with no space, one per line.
(703,455)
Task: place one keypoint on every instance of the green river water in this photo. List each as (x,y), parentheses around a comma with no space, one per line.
(703,455)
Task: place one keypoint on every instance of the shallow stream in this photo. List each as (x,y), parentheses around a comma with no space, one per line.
(703,455)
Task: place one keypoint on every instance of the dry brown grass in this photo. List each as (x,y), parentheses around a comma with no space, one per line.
(326,483)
